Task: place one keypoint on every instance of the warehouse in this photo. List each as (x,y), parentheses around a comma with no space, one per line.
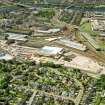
(71,44)
(98,25)
(17,37)
(49,31)
(51,51)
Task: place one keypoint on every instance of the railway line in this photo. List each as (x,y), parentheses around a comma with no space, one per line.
(97,56)
(91,52)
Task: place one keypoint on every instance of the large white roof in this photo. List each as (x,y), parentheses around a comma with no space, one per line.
(51,50)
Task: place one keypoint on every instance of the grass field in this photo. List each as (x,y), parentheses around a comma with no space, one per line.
(86,27)
(100,6)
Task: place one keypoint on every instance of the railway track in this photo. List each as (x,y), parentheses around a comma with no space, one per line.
(97,56)
(91,52)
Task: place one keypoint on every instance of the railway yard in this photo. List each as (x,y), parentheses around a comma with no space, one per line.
(64,49)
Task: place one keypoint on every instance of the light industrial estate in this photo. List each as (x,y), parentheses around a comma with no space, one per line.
(52,52)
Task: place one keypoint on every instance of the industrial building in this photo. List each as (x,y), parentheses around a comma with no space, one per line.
(49,31)
(17,37)
(98,25)
(51,51)
(71,44)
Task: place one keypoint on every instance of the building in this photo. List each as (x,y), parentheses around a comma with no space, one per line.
(98,25)
(17,37)
(102,34)
(49,31)
(51,51)
(71,44)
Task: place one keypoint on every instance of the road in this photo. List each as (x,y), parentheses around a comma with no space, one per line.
(81,91)
(89,95)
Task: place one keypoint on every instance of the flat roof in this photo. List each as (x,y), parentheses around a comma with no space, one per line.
(15,36)
(71,44)
(50,50)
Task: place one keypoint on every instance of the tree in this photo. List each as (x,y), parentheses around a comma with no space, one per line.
(101,82)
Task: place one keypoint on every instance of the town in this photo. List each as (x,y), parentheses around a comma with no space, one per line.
(52,52)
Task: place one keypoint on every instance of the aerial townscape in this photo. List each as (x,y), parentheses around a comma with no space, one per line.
(52,52)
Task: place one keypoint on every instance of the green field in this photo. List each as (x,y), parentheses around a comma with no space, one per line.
(100,6)
(86,27)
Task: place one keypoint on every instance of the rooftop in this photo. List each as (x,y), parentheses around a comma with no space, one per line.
(18,37)
(47,50)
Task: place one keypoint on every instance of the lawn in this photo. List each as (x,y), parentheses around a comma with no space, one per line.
(100,6)
(86,27)
(47,13)
(100,42)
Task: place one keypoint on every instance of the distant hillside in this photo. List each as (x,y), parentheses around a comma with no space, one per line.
(59,1)
(76,1)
